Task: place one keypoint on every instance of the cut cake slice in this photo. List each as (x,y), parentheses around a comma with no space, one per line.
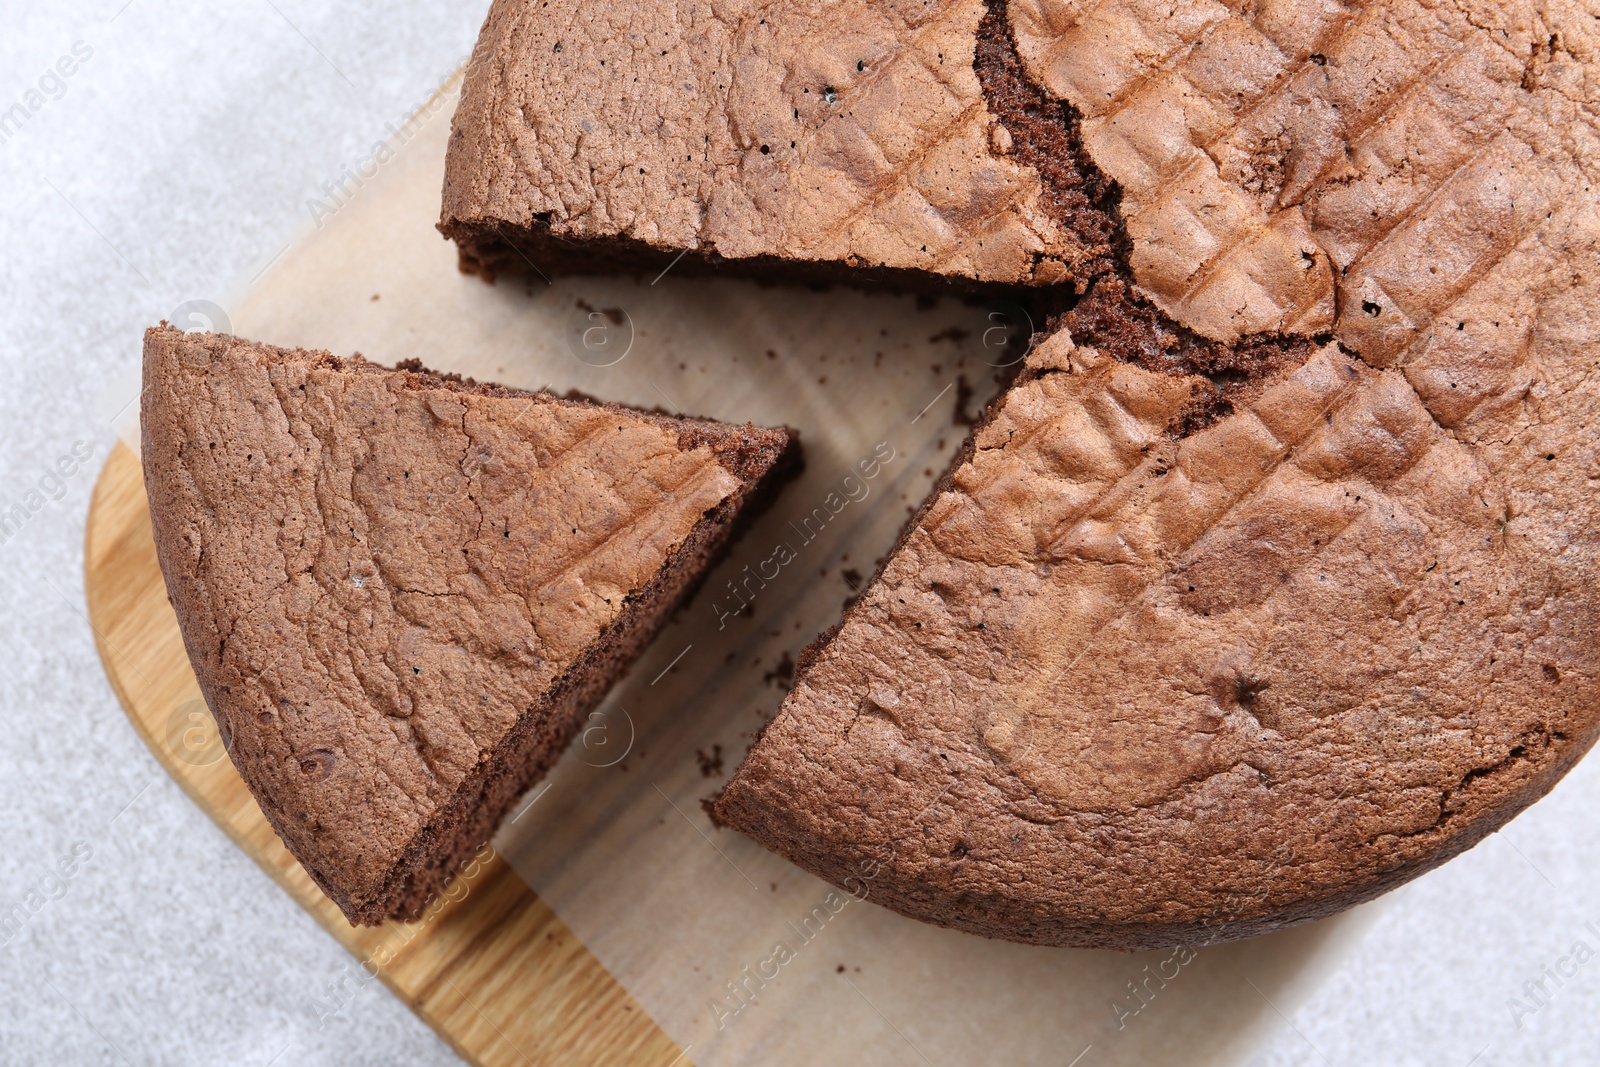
(402,591)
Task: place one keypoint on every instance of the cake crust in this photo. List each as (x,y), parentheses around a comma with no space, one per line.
(806,135)
(1269,584)
(400,591)
(1116,689)
(1301,166)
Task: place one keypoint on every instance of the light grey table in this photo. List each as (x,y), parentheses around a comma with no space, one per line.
(163,151)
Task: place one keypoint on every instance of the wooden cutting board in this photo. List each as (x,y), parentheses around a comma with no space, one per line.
(492,969)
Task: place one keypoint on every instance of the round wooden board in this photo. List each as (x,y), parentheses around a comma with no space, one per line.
(491,968)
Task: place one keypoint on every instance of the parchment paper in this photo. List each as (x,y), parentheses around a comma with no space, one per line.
(740,957)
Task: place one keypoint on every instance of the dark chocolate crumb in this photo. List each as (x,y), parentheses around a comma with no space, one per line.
(783,674)
(710,766)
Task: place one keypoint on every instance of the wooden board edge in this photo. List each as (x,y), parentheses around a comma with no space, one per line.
(487,896)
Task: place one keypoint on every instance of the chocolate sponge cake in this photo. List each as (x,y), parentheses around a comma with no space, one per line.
(401,591)
(1270,581)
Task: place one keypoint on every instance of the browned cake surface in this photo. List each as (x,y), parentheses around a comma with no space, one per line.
(400,591)
(1270,583)
(1119,689)
(852,134)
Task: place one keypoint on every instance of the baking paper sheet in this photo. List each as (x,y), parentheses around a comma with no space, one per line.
(740,957)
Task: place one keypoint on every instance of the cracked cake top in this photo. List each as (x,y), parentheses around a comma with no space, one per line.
(378,572)
(1269,583)
(1295,165)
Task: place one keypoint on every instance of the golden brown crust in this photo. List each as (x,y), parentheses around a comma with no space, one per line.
(387,581)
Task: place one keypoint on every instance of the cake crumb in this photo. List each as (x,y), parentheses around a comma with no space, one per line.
(711,765)
(963,397)
(783,674)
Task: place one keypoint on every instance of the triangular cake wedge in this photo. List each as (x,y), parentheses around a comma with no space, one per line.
(1272,580)
(402,591)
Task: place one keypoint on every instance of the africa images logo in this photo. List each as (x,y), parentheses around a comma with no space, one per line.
(192,735)
(51,85)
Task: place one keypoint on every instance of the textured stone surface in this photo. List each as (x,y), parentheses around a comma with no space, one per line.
(382,575)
